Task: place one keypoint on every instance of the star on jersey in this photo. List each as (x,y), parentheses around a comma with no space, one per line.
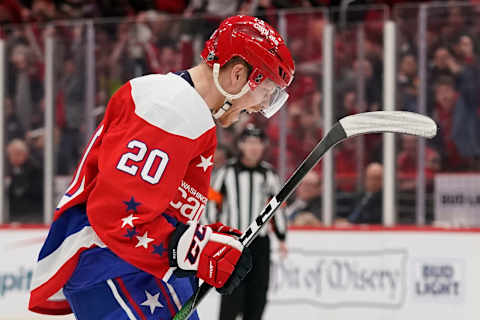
(159,249)
(131,233)
(144,240)
(132,205)
(129,220)
(206,162)
(152,301)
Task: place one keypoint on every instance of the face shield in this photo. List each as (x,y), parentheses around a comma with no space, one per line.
(270,96)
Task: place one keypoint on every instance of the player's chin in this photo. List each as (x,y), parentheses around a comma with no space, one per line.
(228,119)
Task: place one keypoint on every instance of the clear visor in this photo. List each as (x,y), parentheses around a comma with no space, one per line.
(271,97)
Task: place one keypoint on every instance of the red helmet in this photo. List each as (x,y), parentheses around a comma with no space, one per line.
(257,43)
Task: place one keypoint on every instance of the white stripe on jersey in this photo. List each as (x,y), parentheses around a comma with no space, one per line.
(120,300)
(174,295)
(178,110)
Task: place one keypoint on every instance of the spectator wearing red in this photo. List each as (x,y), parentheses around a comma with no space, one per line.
(11,11)
(346,163)
(304,128)
(407,164)
(447,100)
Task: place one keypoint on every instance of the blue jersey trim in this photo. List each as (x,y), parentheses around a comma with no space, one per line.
(96,265)
(71,221)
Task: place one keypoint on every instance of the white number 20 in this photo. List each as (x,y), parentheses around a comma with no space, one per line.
(137,156)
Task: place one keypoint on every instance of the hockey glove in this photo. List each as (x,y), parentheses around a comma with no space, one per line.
(221,228)
(217,258)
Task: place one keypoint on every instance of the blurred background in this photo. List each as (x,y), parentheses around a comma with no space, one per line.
(375,206)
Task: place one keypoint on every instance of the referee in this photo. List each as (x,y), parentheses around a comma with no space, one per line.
(242,188)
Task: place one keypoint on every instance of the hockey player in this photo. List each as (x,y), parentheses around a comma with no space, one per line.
(125,242)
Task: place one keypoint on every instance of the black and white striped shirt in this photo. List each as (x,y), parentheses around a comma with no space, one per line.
(245,192)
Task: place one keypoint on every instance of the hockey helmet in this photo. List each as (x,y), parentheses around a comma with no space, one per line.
(262,47)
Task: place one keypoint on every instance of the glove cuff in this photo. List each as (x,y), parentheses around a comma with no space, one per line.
(173,243)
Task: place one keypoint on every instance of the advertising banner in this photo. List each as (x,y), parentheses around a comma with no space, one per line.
(457,200)
(327,274)
(395,274)
(19,249)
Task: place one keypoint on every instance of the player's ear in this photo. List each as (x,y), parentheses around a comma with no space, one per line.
(238,76)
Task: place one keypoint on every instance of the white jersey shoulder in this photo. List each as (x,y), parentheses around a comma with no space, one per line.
(171,104)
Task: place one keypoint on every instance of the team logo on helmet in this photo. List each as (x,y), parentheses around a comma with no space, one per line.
(258,78)
(211,56)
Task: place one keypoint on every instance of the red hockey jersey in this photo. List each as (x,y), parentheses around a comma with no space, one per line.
(149,161)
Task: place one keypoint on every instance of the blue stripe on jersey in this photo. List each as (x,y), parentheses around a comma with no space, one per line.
(98,303)
(184,287)
(149,295)
(71,221)
(96,265)
(186,76)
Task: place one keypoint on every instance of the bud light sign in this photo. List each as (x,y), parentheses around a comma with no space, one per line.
(439,280)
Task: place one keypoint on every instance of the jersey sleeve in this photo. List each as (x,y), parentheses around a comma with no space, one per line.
(140,167)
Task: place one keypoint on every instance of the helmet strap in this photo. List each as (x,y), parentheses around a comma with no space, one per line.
(228,96)
(220,112)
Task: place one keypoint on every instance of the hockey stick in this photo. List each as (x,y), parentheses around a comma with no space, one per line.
(350,126)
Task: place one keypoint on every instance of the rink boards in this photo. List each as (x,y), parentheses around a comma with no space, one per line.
(374,273)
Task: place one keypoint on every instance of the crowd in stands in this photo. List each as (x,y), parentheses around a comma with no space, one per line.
(134,38)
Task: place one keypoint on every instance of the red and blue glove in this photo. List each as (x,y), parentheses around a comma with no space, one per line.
(212,252)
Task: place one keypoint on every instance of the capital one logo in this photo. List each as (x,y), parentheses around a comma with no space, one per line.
(191,204)
(15,281)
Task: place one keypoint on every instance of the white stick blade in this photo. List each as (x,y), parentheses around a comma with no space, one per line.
(389,121)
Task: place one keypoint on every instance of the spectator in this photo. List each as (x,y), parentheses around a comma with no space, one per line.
(72,87)
(127,56)
(24,86)
(448,104)
(349,104)
(306,219)
(308,200)
(368,205)
(346,160)
(215,8)
(465,50)
(35,140)
(453,24)
(25,184)
(466,121)
(443,63)
(14,128)
(407,164)
(306,32)
(221,156)
(367,70)
(304,130)
(12,11)
(118,8)
(407,81)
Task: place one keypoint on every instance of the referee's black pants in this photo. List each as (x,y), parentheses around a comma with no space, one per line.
(250,297)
